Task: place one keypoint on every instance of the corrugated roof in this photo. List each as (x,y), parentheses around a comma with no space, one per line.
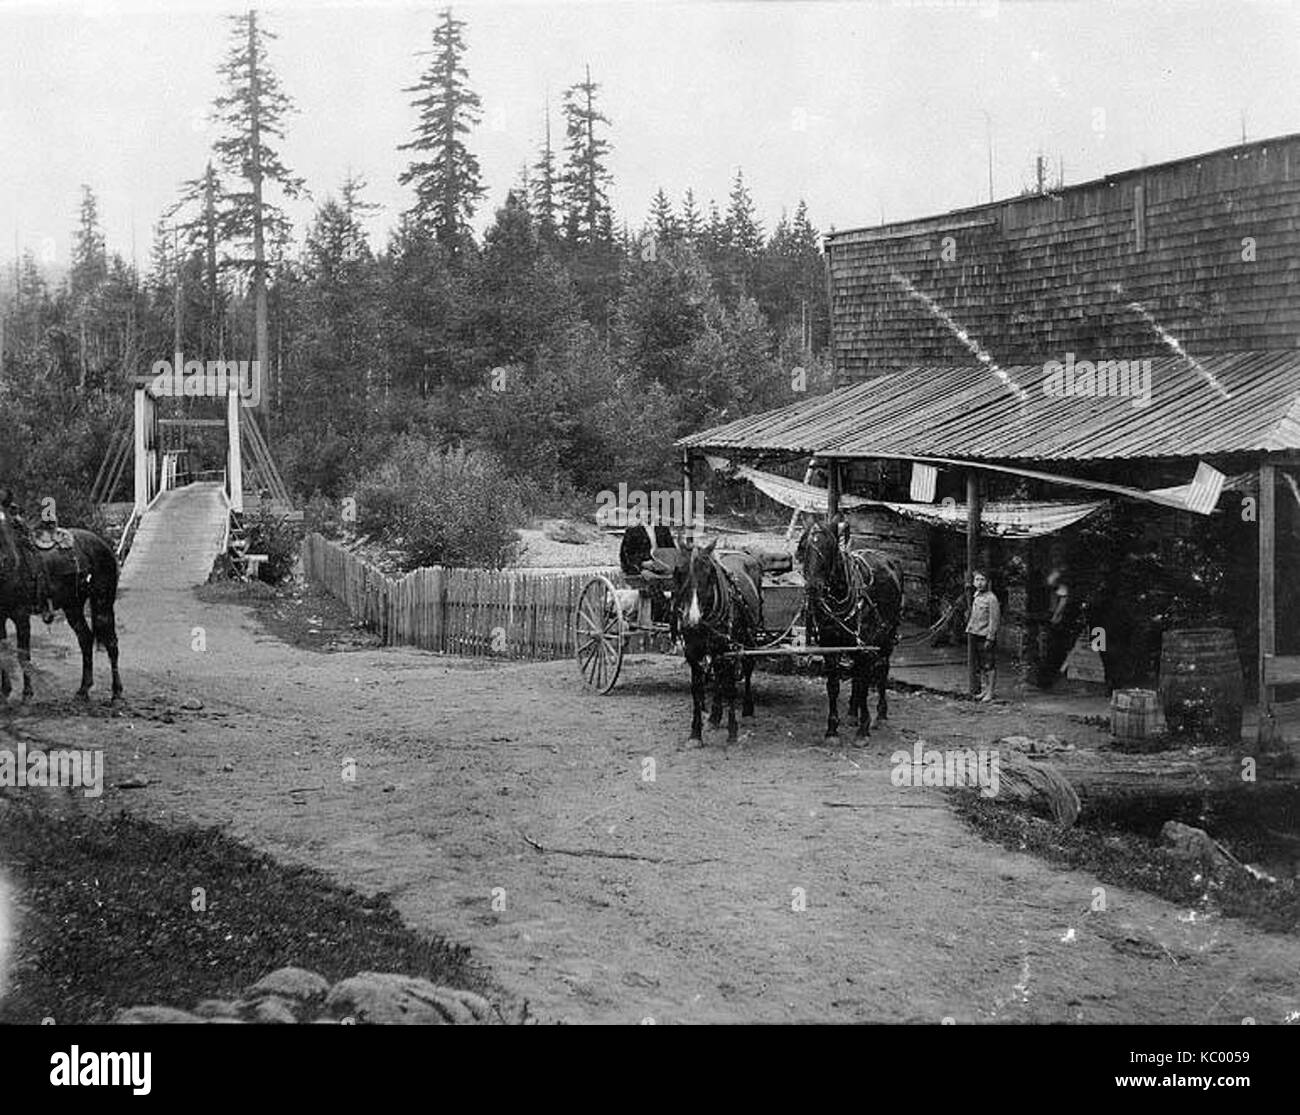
(969,412)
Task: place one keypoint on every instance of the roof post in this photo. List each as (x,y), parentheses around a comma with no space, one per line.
(972,557)
(1267,626)
(688,500)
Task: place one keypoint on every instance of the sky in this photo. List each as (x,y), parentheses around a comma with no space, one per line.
(871,111)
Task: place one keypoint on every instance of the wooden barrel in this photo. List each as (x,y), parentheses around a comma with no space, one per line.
(1201,685)
(1136,719)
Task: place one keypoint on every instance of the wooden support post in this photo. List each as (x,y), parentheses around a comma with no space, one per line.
(972,557)
(688,500)
(1267,594)
(832,488)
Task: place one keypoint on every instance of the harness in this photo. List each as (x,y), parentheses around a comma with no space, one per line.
(845,611)
(722,608)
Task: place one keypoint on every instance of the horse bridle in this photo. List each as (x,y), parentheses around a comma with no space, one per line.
(722,606)
(857,589)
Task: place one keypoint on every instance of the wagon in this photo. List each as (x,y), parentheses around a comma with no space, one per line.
(610,618)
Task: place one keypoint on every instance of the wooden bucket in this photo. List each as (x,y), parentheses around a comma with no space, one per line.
(1201,685)
(1136,720)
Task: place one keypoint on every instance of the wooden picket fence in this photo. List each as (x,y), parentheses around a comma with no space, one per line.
(505,614)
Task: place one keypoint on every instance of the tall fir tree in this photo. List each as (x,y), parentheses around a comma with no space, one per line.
(586,180)
(744,232)
(445,173)
(663,221)
(692,224)
(251,112)
(545,194)
(89,267)
(200,207)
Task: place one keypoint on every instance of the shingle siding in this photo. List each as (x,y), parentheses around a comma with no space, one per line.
(1038,276)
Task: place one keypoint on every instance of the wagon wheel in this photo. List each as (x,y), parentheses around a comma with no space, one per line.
(599,632)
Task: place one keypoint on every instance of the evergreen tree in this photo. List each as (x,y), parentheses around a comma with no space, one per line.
(545,195)
(692,225)
(445,173)
(744,233)
(203,229)
(586,180)
(89,266)
(523,300)
(335,350)
(663,222)
(252,112)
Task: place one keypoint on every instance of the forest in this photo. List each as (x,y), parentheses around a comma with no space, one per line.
(455,384)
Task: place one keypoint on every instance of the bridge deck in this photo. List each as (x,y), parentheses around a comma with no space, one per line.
(178,539)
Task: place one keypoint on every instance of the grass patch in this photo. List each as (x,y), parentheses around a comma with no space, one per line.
(1105,843)
(106,919)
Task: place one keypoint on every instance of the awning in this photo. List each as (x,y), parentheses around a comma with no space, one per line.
(1019,519)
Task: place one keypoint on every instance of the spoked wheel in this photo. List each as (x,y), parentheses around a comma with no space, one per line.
(599,634)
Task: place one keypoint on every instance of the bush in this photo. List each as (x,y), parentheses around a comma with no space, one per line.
(274,536)
(324,516)
(442,507)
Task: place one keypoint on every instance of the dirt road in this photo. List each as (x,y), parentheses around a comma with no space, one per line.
(775,882)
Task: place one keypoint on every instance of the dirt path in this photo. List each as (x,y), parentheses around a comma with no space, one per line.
(909,916)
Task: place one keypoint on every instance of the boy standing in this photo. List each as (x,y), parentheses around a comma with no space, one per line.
(985,617)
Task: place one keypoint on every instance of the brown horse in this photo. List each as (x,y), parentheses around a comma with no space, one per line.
(85,574)
(18,592)
(855,598)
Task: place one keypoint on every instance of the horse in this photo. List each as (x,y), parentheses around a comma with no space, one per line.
(18,593)
(83,574)
(718,608)
(853,598)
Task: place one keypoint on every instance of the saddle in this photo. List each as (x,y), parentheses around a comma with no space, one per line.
(52,538)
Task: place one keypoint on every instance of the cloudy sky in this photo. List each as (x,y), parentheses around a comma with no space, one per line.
(869,110)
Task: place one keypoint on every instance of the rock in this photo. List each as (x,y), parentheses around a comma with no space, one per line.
(214,1009)
(294,985)
(1186,842)
(227,768)
(191,704)
(152,1016)
(135,782)
(276,1010)
(385,998)
(478,1006)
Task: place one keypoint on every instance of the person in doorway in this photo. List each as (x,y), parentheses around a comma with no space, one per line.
(1060,623)
(985,618)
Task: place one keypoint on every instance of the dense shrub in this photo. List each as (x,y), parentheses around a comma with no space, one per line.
(274,536)
(441,507)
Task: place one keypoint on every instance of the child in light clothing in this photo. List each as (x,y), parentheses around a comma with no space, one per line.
(985,618)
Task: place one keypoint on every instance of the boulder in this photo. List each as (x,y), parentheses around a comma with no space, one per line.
(273,1009)
(153,1016)
(1186,842)
(385,998)
(212,1009)
(297,985)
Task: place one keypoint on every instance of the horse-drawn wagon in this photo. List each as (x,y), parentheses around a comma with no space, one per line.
(728,610)
(630,613)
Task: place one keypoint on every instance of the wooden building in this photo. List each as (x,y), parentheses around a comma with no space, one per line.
(947,332)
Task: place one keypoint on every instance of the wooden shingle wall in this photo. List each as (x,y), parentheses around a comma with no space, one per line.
(1032,278)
